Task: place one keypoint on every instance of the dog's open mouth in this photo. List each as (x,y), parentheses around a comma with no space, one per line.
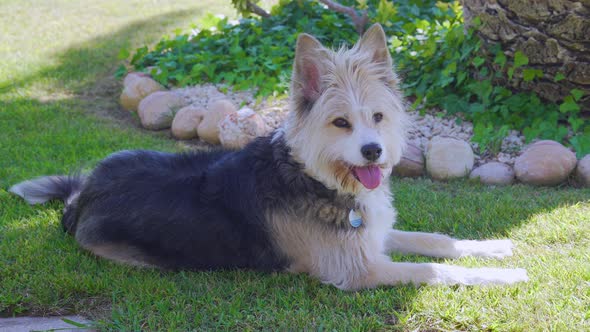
(369,176)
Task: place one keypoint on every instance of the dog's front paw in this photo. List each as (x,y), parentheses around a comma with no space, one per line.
(489,248)
(493,276)
(450,275)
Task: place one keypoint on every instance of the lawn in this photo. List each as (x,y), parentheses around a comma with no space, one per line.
(59,113)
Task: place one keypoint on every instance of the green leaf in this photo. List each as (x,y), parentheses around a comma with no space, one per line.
(121,71)
(510,72)
(531,133)
(454,104)
(558,77)
(561,133)
(575,122)
(416,103)
(420,24)
(123,54)
(361,4)
(442,5)
(500,59)
(461,77)
(569,105)
(577,94)
(520,59)
(76,324)
(478,61)
(385,12)
(581,143)
(445,81)
(531,74)
(395,42)
(450,69)
(476,108)
(209,21)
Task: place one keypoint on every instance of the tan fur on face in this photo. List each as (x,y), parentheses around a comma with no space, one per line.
(344,177)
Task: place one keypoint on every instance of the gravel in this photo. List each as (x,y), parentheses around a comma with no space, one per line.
(424,126)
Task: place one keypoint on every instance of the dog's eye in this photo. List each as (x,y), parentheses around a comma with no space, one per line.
(377,117)
(341,123)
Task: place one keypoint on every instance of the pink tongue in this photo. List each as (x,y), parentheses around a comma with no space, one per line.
(370,176)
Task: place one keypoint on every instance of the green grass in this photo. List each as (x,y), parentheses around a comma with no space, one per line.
(58,113)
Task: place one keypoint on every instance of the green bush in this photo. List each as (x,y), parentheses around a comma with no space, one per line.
(445,68)
(252,54)
(258,53)
(441,65)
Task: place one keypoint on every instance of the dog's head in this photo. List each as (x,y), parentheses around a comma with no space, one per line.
(347,116)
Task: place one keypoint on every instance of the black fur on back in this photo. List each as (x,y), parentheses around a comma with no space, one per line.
(203,210)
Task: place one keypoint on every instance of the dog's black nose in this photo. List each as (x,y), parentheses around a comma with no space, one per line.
(371,151)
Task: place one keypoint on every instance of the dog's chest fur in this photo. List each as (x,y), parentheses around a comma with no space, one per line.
(330,212)
(303,198)
(310,224)
(328,247)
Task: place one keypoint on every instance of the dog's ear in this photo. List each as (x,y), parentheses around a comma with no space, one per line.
(374,43)
(307,71)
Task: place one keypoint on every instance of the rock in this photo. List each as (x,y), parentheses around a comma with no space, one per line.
(583,171)
(274,116)
(493,173)
(412,162)
(545,163)
(186,121)
(137,86)
(54,323)
(448,158)
(157,110)
(208,129)
(240,128)
(201,95)
(505,158)
(552,34)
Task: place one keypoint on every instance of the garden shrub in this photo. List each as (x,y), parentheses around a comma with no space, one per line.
(441,65)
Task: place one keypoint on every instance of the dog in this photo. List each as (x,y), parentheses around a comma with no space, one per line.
(313,197)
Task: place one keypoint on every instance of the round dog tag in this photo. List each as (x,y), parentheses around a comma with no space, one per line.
(355,219)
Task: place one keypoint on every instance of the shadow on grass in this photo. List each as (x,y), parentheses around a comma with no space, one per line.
(249,300)
(36,131)
(466,209)
(87,68)
(57,137)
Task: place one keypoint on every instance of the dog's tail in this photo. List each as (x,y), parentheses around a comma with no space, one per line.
(46,188)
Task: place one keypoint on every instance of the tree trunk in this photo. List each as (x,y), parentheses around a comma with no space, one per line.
(553,34)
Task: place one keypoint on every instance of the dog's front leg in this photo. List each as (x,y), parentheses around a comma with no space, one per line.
(438,245)
(386,272)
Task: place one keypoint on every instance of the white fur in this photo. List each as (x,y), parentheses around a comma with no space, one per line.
(438,245)
(354,85)
(358,258)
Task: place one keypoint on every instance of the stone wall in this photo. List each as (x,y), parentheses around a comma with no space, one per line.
(553,34)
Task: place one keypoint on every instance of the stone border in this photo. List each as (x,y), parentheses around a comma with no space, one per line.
(543,163)
(437,147)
